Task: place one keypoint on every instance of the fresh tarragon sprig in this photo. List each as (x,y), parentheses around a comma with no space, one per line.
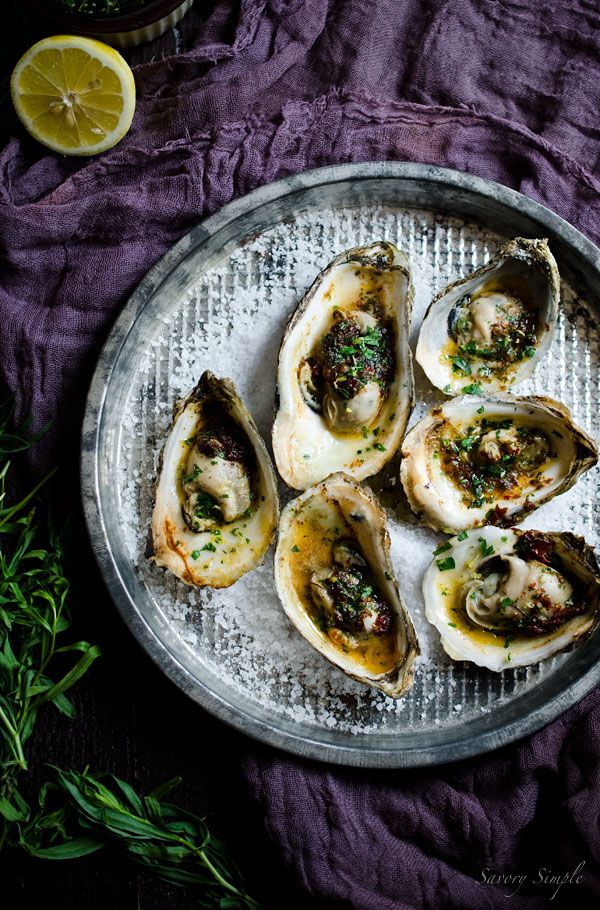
(77,814)
(103,810)
(33,615)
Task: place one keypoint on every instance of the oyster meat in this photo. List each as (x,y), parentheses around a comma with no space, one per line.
(344,380)
(334,578)
(509,598)
(473,461)
(488,330)
(216,504)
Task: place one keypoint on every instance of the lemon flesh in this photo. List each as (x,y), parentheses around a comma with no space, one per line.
(75,95)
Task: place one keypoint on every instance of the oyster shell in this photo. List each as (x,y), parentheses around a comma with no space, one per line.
(334,578)
(473,461)
(509,598)
(216,503)
(490,329)
(344,380)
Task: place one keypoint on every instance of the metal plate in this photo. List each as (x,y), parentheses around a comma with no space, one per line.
(220,299)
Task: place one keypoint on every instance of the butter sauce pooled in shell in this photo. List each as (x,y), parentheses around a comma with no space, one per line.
(334,578)
(487,331)
(473,461)
(216,503)
(510,598)
(344,380)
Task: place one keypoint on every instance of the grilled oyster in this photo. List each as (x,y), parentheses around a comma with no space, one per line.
(491,328)
(345,383)
(335,581)
(473,460)
(216,504)
(509,598)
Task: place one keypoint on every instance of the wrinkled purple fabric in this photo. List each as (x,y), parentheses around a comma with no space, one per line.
(506,90)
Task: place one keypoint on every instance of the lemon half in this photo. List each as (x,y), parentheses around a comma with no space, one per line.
(75,95)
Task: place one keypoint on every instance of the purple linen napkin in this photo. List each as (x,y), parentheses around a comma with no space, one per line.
(508,91)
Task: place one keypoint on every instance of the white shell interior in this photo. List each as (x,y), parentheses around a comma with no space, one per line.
(206,558)
(327,505)
(440,589)
(441,496)
(306,450)
(434,336)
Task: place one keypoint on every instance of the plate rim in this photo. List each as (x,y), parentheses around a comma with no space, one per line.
(145,634)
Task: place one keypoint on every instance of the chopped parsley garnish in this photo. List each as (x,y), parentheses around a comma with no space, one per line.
(463,535)
(458,363)
(512,330)
(210,547)
(445,564)
(353,598)
(350,360)
(379,447)
(492,458)
(442,548)
(485,549)
(195,554)
(206,507)
(473,389)
(192,476)
(295,549)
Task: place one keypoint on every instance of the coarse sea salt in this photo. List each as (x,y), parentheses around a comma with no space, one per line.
(230,319)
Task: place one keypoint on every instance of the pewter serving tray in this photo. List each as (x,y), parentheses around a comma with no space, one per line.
(220,300)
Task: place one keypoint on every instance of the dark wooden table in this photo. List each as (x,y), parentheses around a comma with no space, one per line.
(130,719)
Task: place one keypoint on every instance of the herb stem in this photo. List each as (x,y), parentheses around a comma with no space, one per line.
(10,513)
(219,878)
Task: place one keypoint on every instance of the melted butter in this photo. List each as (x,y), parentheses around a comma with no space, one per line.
(500,373)
(457,616)
(524,483)
(313,534)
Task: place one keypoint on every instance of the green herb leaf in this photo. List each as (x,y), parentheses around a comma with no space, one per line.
(89,812)
(485,549)
(442,548)
(473,389)
(445,564)
(103,810)
(459,364)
